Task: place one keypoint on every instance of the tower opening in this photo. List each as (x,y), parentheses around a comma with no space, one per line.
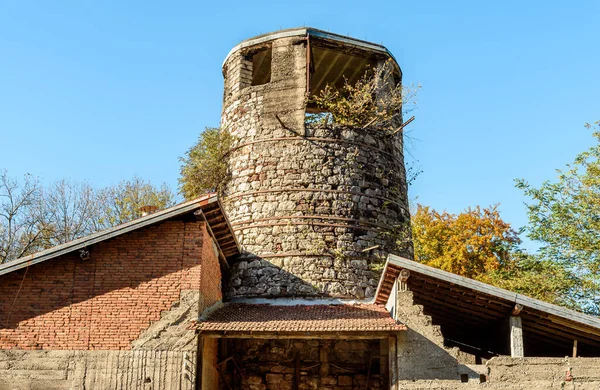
(261,66)
(335,66)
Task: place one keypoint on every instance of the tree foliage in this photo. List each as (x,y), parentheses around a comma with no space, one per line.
(535,277)
(121,202)
(469,244)
(33,217)
(374,100)
(564,216)
(478,244)
(19,223)
(204,167)
(66,210)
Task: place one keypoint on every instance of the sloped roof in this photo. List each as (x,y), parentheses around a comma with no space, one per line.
(252,319)
(476,313)
(208,205)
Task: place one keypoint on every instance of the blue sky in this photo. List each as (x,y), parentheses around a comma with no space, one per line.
(101,91)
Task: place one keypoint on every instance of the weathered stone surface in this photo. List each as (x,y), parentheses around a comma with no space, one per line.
(423,362)
(271,364)
(62,370)
(307,200)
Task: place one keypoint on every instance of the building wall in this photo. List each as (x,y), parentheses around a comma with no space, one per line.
(98,370)
(323,364)
(107,302)
(305,201)
(209,372)
(423,362)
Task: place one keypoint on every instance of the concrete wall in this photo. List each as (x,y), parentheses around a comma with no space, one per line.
(305,200)
(423,362)
(98,370)
(543,373)
(506,373)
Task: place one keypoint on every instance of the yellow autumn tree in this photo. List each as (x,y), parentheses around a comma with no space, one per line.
(472,243)
(478,244)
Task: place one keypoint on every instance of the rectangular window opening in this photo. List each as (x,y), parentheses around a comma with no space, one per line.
(334,67)
(261,66)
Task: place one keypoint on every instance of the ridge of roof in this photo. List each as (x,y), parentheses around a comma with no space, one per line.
(394,261)
(109,233)
(262,317)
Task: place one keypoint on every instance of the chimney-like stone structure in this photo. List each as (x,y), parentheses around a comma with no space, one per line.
(315,207)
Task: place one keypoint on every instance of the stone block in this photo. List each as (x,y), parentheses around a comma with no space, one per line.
(344,380)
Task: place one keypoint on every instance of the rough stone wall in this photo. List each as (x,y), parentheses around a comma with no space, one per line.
(424,363)
(130,283)
(543,373)
(421,353)
(305,202)
(98,370)
(323,364)
(533,373)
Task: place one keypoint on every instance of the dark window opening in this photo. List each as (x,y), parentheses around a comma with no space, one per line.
(482,378)
(464,378)
(333,67)
(261,66)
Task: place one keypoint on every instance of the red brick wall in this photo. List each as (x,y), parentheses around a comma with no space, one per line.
(106,302)
(211,275)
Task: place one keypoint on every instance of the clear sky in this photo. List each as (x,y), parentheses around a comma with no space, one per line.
(100,91)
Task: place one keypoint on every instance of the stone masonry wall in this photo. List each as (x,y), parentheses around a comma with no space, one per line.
(323,364)
(305,202)
(153,275)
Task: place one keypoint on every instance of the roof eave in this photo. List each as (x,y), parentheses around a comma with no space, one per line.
(483,288)
(328,334)
(313,32)
(109,233)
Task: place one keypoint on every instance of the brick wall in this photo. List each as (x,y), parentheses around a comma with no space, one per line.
(210,281)
(106,302)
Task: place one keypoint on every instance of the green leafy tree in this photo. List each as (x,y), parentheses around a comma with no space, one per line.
(375,100)
(204,167)
(564,216)
(535,277)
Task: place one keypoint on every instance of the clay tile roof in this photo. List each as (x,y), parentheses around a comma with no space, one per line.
(240,317)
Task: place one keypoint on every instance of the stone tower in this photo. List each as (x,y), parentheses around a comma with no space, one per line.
(315,207)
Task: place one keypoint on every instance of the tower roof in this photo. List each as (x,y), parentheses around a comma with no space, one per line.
(316,33)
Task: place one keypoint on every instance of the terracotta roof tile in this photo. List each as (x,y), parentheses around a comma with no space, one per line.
(240,317)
